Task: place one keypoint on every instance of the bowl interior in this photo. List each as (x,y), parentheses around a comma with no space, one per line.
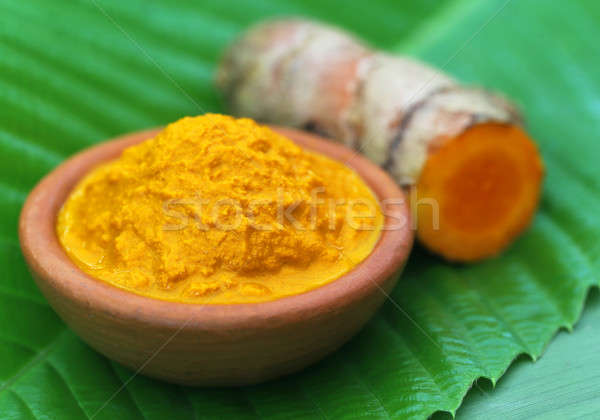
(52,266)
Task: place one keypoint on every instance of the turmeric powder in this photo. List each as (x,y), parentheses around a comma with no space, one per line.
(219,210)
(473,173)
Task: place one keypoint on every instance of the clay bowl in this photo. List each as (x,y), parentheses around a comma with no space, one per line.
(210,344)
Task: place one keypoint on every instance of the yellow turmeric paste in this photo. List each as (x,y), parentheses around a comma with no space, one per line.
(219,210)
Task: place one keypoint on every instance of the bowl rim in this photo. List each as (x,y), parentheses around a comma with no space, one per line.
(51,265)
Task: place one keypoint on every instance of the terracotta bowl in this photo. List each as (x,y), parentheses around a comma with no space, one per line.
(212,345)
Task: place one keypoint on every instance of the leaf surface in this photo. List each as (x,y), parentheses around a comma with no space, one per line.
(73,73)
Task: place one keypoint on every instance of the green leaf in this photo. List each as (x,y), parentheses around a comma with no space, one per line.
(73,73)
(562,384)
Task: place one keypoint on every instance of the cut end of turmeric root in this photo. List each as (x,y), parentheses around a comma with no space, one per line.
(478,191)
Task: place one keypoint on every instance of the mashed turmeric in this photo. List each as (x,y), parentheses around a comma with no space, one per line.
(219,210)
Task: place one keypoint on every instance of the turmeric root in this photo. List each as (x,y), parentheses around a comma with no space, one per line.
(474,174)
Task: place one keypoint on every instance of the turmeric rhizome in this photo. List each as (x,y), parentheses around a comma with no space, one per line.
(473,174)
